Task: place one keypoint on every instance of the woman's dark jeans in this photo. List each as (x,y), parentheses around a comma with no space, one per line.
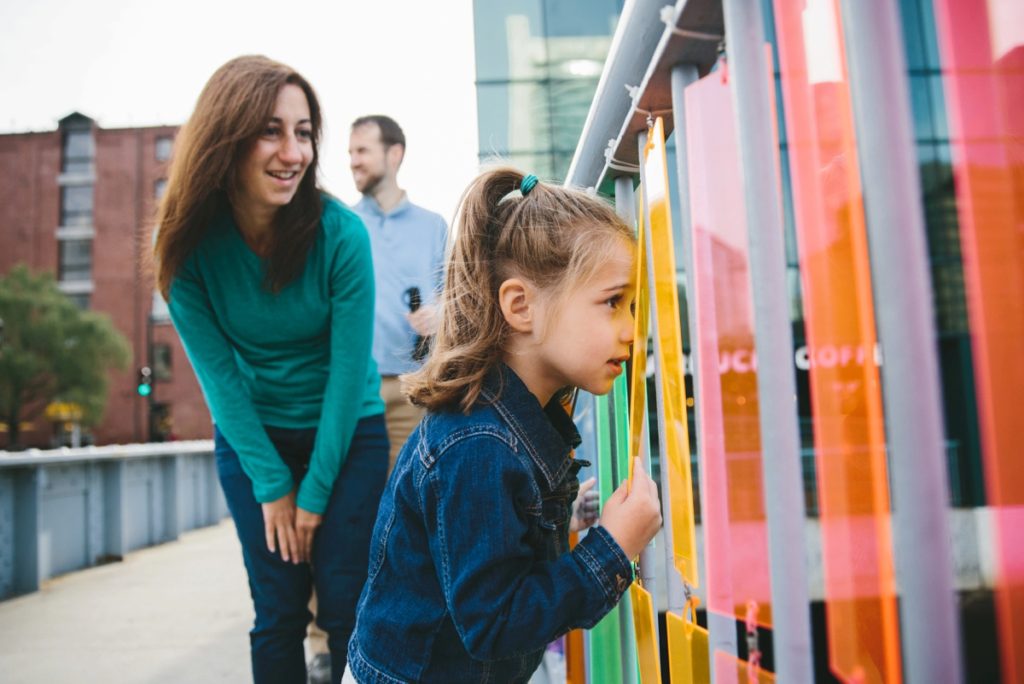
(280,590)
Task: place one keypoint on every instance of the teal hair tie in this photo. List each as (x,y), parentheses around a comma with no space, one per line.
(528,183)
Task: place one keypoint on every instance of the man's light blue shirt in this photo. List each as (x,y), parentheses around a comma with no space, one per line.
(408,245)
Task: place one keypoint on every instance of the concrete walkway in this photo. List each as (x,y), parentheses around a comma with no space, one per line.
(172,614)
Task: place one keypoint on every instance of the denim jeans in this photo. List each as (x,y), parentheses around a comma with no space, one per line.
(280,590)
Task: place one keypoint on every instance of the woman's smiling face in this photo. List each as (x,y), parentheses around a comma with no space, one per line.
(269,175)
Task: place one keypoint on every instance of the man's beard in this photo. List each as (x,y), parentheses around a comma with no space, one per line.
(371,183)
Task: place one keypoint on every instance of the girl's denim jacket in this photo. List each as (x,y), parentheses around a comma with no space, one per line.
(470,572)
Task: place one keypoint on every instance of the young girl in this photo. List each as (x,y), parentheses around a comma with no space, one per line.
(470,573)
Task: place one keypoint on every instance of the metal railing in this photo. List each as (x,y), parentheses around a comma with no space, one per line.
(67,509)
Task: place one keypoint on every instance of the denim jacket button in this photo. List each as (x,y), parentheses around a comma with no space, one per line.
(621,583)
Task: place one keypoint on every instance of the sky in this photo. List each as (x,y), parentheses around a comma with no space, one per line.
(143,63)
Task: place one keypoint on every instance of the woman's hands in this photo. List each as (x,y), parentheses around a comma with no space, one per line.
(289,529)
(633,518)
(305,529)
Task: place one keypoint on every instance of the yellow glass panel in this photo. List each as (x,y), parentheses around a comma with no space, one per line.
(669,351)
(638,377)
(688,654)
(646,632)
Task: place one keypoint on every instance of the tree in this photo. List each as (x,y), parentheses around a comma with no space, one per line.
(51,350)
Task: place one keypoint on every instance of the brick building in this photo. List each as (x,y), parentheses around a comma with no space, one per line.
(78,202)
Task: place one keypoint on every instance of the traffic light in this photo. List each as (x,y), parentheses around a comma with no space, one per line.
(145,387)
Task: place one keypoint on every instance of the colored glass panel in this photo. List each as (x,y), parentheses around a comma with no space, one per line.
(668,351)
(982,52)
(735,533)
(604,659)
(732,670)
(638,375)
(688,651)
(846,399)
(646,631)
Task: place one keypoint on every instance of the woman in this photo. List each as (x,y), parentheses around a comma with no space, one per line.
(269,283)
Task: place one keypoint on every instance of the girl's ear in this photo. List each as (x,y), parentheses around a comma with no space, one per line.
(516,299)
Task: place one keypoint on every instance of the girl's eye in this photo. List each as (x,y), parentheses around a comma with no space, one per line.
(304,134)
(614,301)
(271,132)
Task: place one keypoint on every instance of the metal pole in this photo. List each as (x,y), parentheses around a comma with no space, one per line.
(625,207)
(905,320)
(776,386)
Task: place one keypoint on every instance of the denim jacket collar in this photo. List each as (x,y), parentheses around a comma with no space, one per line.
(548,433)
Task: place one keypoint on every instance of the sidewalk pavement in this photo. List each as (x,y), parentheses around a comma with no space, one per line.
(171,614)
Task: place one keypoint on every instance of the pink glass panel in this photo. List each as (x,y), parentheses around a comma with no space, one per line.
(982,48)
(734,520)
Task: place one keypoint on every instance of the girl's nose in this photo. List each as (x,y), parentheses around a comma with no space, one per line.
(628,327)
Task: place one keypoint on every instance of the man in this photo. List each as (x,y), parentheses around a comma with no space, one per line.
(408,244)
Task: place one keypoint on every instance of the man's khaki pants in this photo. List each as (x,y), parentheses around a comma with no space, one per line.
(400,414)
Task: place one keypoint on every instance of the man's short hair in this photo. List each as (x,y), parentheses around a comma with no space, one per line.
(390,132)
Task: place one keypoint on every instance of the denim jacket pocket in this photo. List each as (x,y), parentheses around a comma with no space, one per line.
(549,529)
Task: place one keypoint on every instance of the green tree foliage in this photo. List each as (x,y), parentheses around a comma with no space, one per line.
(50,350)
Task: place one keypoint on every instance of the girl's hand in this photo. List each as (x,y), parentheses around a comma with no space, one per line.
(279,525)
(632,519)
(586,506)
(305,528)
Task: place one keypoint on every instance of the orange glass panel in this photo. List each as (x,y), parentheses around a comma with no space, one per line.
(982,48)
(669,351)
(735,533)
(846,399)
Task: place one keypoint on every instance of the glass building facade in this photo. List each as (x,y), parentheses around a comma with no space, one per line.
(537,66)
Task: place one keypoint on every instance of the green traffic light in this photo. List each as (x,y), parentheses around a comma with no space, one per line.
(145,390)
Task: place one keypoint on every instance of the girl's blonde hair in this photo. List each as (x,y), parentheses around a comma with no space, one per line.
(554,237)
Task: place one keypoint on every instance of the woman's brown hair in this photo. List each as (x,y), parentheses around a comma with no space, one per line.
(232,111)
(554,236)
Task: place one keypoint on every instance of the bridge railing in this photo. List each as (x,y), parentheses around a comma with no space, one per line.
(67,509)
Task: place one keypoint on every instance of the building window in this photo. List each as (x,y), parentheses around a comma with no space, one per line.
(163,148)
(159,188)
(78,151)
(75,260)
(162,362)
(76,205)
(81,300)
